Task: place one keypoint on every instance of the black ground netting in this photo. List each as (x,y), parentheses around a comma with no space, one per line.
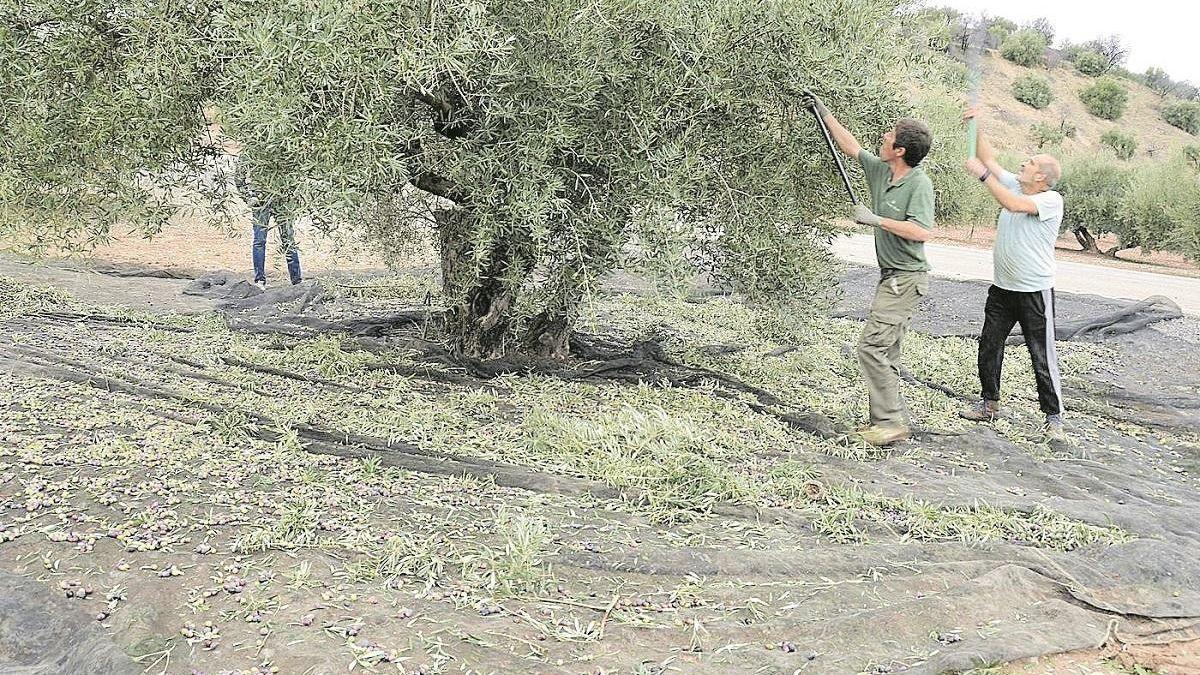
(945,605)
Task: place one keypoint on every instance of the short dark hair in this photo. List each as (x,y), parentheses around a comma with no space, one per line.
(914,136)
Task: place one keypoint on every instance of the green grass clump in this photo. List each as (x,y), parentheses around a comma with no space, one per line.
(677,467)
(846,510)
(326,356)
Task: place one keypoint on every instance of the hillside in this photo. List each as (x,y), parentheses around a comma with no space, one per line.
(1010,120)
(969,216)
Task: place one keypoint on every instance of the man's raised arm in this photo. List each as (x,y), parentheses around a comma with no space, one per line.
(845,140)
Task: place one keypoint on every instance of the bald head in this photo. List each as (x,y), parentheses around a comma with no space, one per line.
(1049,168)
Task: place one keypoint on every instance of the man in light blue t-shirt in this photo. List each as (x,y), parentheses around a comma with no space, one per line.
(1023,289)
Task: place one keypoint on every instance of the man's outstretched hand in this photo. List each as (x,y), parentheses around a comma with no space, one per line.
(810,100)
(865,216)
(975,167)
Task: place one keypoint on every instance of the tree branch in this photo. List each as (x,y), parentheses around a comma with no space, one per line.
(444,112)
(442,187)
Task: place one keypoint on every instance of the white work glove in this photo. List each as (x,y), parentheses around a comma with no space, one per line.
(865,216)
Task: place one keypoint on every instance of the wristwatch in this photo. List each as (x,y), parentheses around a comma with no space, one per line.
(984,177)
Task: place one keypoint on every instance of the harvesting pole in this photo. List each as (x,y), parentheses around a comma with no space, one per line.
(974,81)
(837,159)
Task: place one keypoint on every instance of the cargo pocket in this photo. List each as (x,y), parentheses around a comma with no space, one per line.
(889,305)
(896,296)
(878,334)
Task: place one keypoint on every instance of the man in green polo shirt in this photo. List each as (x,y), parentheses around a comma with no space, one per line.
(902,215)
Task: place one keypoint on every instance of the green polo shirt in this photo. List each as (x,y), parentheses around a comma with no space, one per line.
(910,198)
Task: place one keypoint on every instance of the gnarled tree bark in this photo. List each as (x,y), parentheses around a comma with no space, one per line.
(481,319)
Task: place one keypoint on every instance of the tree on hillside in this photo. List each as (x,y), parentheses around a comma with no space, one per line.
(1159,82)
(1162,209)
(534,144)
(1042,25)
(1111,48)
(1155,206)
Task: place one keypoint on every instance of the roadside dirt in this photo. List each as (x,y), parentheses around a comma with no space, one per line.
(1178,658)
(194,246)
(1067,248)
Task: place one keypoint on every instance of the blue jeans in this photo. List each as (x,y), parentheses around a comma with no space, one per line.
(287,243)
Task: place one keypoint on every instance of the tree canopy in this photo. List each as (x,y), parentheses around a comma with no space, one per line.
(535,144)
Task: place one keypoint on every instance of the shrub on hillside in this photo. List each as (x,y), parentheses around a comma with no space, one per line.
(1106,99)
(1122,144)
(1184,115)
(1191,155)
(1045,134)
(1091,63)
(1025,48)
(1094,188)
(1033,90)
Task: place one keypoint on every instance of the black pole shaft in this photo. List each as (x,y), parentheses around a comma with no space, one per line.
(837,159)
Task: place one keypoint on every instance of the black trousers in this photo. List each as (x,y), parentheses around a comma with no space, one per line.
(1035,312)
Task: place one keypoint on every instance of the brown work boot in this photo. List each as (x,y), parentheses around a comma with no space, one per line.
(880,435)
(982,411)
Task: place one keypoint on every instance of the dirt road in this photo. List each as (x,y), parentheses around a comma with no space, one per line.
(956,262)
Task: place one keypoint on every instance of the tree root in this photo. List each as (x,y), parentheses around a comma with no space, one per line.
(645,361)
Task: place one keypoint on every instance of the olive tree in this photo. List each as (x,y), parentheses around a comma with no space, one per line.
(533,144)
(1161,211)
(1094,188)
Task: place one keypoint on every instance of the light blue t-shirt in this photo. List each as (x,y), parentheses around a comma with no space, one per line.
(1023,255)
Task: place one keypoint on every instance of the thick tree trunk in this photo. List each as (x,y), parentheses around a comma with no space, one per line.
(1086,240)
(480,321)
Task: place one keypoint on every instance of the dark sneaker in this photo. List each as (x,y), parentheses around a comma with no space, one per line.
(981,411)
(879,435)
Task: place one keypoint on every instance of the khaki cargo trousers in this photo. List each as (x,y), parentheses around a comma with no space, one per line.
(896,297)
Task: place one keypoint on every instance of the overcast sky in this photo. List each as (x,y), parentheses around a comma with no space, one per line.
(1159,33)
